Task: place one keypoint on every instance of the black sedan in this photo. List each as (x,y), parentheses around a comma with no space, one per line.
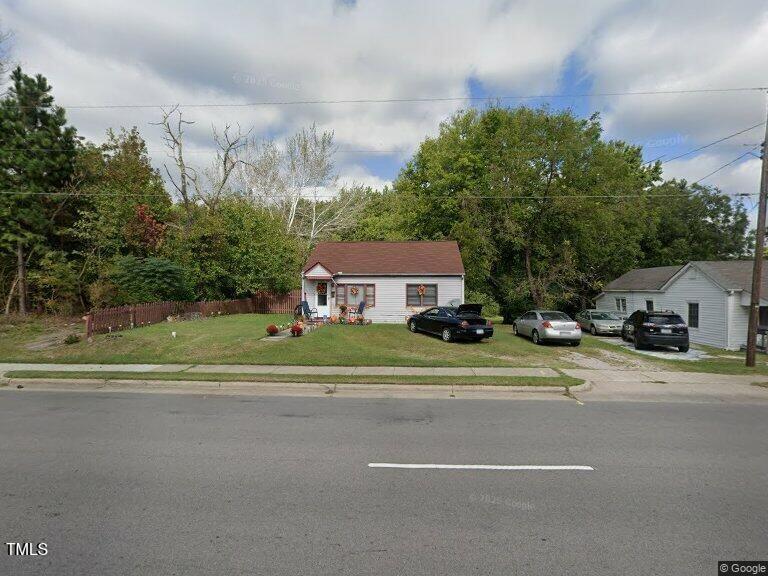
(461,323)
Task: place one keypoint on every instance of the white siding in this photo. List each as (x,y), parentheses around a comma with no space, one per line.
(693,286)
(738,319)
(390,294)
(715,313)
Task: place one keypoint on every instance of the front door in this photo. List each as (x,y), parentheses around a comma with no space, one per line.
(321,302)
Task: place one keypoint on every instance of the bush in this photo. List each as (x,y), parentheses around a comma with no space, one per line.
(272,330)
(297,330)
(490,306)
(138,280)
(72,339)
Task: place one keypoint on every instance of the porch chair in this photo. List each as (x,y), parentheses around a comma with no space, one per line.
(353,314)
(307,312)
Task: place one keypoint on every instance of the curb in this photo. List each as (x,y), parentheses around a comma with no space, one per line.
(312,388)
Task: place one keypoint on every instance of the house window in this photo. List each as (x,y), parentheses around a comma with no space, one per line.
(621,304)
(353,294)
(421,294)
(649,305)
(693,314)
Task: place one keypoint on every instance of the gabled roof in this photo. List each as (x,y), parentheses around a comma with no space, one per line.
(732,274)
(382,258)
(728,274)
(643,278)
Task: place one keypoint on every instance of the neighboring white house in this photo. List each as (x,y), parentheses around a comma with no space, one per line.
(395,279)
(712,297)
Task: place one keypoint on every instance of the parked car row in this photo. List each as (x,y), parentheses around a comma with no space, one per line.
(644,328)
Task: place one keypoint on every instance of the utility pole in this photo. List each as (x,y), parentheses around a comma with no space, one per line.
(757,269)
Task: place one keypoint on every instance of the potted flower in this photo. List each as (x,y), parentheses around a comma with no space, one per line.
(342,310)
(272,330)
(297,329)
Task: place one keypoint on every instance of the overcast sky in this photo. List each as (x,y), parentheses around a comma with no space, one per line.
(185,51)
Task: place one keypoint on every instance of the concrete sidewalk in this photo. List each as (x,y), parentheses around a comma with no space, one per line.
(273,369)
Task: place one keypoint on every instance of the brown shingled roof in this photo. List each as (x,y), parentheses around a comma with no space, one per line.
(643,278)
(381,258)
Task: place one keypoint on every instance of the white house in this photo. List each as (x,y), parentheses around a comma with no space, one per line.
(712,297)
(395,279)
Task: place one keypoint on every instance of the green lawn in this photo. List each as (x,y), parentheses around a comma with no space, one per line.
(238,339)
(564,381)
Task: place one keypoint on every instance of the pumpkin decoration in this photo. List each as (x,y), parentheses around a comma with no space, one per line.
(334,319)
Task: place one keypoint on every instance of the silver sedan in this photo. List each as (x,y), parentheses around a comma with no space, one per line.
(548,325)
(600,322)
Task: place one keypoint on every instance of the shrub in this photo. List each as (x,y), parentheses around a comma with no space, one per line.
(272,330)
(138,280)
(72,339)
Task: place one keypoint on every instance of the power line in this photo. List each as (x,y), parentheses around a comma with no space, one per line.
(489,98)
(747,153)
(715,142)
(466,196)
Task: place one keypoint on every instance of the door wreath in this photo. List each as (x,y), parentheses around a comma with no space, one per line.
(322,288)
(354,290)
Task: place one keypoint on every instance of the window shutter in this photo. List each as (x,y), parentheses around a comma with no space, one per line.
(341,294)
(370,295)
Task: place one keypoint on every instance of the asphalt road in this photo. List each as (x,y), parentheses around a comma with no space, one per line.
(178,484)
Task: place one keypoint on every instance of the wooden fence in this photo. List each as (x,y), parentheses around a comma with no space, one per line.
(138,315)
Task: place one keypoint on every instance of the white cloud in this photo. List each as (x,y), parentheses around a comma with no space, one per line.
(196,52)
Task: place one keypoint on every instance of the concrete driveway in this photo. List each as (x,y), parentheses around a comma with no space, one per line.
(663,352)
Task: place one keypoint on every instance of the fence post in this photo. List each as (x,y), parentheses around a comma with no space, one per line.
(88,327)
(133,316)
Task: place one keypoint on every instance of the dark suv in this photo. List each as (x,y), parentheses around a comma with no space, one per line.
(656,329)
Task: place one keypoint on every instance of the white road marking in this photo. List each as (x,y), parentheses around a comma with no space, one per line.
(473,466)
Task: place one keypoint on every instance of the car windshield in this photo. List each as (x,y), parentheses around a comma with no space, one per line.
(667,319)
(604,316)
(555,316)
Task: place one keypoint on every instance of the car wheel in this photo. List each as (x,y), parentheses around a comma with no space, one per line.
(575,342)
(593,330)
(535,337)
(638,345)
(683,349)
(412,326)
(447,336)
(624,335)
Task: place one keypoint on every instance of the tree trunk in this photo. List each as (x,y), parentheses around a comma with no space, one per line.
(10,296)
(21,276)
(532,284)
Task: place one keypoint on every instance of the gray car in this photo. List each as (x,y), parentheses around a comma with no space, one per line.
(548,326)
(600,322)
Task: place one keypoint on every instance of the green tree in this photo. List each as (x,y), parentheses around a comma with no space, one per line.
(695,222)
(543,208)
(235,251)
(37,157)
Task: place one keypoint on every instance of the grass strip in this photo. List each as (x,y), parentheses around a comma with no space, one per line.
(533,381)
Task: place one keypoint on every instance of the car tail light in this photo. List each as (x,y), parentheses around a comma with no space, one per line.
(464,324)
(578,326)
(547,324)
(488,323)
